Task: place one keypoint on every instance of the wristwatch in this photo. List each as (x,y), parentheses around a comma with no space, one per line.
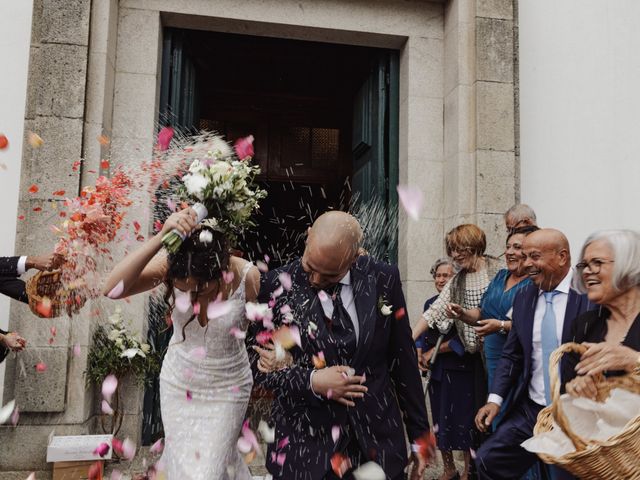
(502,329)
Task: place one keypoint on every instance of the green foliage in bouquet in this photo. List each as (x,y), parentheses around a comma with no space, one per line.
(116,351)
(225,185)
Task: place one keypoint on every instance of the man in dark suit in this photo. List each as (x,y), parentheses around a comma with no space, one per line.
(542,317)
(355,370)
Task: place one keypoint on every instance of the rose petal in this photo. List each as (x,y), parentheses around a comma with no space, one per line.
(76,350)
(280,458)
(164,138)
(322,295)
(263,267)
(244,446)
(196,308)
(335,433)
(227,277)
(239,334)
(128,449)
(283,443)
(157,447)
(183,301)
(218,309)
(117,290)
(41,367)
(411,199)
(199,353)
(109,385)
(244,147)
(15,416)
(102,449)
(285,280)
(106,408)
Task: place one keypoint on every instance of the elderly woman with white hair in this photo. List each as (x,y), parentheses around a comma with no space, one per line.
(609,272)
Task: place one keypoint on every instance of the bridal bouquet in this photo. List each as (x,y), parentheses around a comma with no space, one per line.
(221,183)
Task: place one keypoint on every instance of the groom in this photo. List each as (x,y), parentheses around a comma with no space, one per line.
(352,383)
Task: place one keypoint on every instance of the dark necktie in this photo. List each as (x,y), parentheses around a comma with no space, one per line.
(343,333)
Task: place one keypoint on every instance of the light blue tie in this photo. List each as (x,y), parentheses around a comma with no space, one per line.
(549,340)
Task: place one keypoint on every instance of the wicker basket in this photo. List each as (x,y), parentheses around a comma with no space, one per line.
(46,287)
(616,458)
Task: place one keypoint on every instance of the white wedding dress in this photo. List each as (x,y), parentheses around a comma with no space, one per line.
(205,385)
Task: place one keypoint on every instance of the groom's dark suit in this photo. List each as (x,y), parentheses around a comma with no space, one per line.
(385,354)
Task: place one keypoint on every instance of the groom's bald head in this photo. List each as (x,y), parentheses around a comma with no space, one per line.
(332,246)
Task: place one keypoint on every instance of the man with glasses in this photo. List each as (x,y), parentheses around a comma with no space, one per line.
(542,316)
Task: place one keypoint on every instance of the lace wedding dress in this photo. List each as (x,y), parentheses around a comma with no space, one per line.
(205,385)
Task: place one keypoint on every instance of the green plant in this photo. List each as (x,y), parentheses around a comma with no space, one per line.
(115,351)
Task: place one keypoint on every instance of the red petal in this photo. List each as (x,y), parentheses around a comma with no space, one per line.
(59,193)
(41,367)
(104,164)
(33,188)
(4,142)
(400,313)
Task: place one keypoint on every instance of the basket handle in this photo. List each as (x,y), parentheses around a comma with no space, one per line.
(556,405)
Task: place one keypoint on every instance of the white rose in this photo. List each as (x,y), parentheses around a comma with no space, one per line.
(195,184)
(114,335)
(145,347)
(196,166)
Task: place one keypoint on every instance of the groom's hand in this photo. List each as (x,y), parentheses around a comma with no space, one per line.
(339,384)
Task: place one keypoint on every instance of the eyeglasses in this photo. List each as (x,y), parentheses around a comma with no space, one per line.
(594,265)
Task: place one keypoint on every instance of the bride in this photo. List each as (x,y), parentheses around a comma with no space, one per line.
(206,379)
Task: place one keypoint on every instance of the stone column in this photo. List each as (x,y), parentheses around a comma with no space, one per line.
(480,165)
(62,109)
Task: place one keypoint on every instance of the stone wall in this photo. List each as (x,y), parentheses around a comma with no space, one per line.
(95,69)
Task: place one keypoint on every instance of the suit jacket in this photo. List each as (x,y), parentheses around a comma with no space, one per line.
(10,284)
(385,354)
(517,352)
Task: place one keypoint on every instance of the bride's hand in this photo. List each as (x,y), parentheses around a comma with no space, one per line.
(269,361)
(184,221)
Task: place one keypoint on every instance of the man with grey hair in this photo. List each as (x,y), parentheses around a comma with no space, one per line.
(519,215)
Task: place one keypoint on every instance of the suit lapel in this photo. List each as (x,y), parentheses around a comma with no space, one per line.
(527,320)
(310,311)
(364,294)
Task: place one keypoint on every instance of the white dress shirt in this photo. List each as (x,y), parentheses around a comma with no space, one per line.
(22,265)
(346,294)
(536,385)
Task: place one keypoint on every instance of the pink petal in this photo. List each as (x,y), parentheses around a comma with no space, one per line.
(183,302)
(32,476)
(285,309)
(267,258)
(244,147)
(278,291)
(281,458)
(472,452)
(263,267)
(322,295)
(218,309)
(15,416)
(117,290)
(411,199)
(244,445)
(171,205)
(196,308)
(164,138)
(335,433)
(102,449)
(329,394)
(227,277)
(285,280)
(41,367)
(157,447)
(248,434)
(234,389)
(116,474)
(128,449)
(199,353)
(283,443)
(189,395)
(109,385)
(106,408)
(188,373)
(239,334)
(264,337)
(76,350)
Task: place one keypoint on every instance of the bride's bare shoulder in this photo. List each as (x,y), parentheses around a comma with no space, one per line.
(252,281)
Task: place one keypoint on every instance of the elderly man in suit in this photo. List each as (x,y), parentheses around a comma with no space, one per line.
(353,381)
(542,317)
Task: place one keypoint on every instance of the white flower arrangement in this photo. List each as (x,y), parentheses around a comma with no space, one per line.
(225,185)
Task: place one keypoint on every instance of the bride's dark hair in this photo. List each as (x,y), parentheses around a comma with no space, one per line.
(203,260)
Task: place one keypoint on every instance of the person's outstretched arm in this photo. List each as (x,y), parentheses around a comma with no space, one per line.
(143,269)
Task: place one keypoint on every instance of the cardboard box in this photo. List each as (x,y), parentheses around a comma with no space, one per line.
(76,470)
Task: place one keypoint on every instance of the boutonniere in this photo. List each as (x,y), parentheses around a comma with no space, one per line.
(384,307)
